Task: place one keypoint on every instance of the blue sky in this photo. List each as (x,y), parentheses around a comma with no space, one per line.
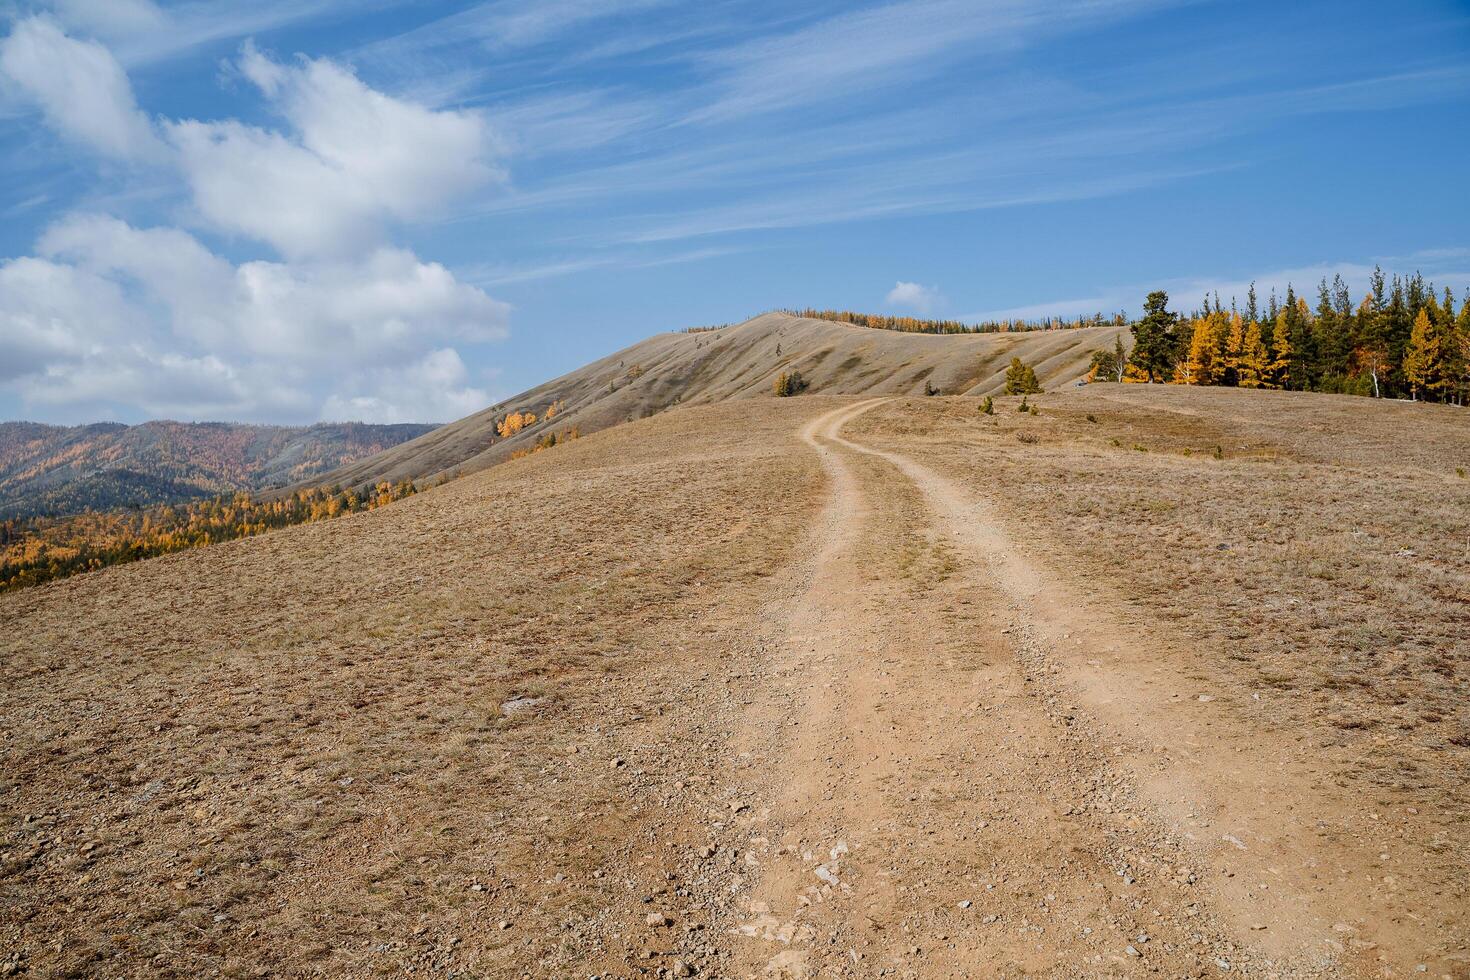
(298,210)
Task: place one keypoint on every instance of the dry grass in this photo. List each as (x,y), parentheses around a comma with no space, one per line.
(347,748)
(1324,558)
(356,748)
(738,362)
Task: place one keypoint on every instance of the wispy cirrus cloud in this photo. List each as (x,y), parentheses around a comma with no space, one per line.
(491,275)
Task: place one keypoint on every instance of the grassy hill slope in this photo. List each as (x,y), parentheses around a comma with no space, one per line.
(497,726)
(740,361)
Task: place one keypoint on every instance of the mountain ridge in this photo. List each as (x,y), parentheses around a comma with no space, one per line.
(732,362)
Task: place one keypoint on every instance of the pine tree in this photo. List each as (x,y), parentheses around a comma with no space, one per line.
(1021,379)
(1154,341)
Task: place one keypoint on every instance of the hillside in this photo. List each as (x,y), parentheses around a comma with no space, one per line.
(1161,681)
(50,469)
(740,361)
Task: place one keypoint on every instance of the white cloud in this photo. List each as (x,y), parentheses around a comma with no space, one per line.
(913,296)
(353,159)
(80,88)
(107,316)
(110,18)
(431,389)
(113,314)
(40,303)
(165,384)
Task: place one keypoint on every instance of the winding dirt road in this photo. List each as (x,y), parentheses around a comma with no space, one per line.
(963,767)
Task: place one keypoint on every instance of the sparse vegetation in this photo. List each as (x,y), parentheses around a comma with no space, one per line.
(909,324)
(548,441)
(1109,365)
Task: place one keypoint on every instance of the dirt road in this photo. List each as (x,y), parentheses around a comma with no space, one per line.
(965,769)
(780,687)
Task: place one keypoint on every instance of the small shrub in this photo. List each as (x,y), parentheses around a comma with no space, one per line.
(1035,410)
(789,384)
(1023,407)
(1030,438)
(987,407)
(1092,419)
(1460,472)
(929,390)
(1219,452)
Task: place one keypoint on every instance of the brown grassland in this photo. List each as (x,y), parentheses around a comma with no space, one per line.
(808,686)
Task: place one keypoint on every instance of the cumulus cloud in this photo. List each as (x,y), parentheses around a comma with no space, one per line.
(351,160)
(112,314)
(80,87)
(106,315)
(913,296)
(432,388)
(40,302)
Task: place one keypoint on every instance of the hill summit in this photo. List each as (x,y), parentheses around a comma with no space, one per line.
(739,361)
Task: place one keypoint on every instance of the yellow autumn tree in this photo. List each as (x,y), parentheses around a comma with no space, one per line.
(1251,365)
(1233,346)
(514,422)
(1424,358)
(1203,364)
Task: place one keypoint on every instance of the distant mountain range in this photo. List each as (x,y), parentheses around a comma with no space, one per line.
(57,470)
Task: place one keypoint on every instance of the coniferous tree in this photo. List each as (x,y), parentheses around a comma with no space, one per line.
(1154,342)
(1460,359)
(1234,350)
(1201,366)
(1278,374)
(1253,366)
(1021,379)
(1424,358)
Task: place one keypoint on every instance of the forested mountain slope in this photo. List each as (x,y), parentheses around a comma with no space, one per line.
(52,469)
